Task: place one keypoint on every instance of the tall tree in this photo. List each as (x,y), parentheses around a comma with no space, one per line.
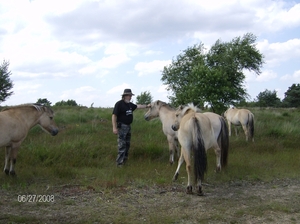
(5,82)
(292,96)
(44,101)
(66,103)
(144,98)
(215,77)
(268,98)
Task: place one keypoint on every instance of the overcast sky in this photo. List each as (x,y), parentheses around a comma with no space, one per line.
(90,51)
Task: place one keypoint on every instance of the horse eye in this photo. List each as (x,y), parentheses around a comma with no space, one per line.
(51,118)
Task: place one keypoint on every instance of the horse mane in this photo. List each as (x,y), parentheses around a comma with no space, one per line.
(190,107)
(38,107)
(164,104)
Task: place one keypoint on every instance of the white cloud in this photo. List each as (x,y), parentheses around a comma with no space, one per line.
(295,77)
(145,68)
(113,61)
(278,52)
(118,89)
(265,76)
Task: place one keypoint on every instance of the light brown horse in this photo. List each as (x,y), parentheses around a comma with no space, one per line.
(240,117)
(196,136)
(15,122)
(166,114)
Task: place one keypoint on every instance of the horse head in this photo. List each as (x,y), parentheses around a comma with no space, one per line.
(181,111)
(46,121)
(153,111)
(178,115)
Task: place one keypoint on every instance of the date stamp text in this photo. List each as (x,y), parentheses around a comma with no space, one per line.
(36,198)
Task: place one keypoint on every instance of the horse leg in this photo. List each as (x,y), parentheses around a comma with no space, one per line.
(176,147)
(236,131)
(218,157)
(171,149)
(7,159)
(246,131)
(229,128)
(189,189)
(13,160)
(180,161)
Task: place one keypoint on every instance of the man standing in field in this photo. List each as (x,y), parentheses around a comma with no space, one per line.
(122,118)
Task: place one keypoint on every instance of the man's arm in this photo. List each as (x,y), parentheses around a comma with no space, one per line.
(114,123)
(142,106)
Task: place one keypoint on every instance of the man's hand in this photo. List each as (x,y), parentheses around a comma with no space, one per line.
(115,131)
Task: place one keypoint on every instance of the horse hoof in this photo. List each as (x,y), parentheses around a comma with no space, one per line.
(12,173)
(175,177)
(189,190)
(200,193)
(218,169)
(6,171)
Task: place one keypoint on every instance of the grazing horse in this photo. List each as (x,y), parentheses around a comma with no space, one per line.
(166,115)
(196,136)
(239,117)
(15,122)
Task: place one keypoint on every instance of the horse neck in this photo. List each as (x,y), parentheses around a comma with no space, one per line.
(164,115)
(30,118)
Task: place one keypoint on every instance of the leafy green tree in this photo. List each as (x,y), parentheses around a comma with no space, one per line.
(215,77)
(44,101)
(66,103)
(268,98)
(292,96)
(5,82)
(144,98)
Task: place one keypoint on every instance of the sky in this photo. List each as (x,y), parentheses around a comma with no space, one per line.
(90,51)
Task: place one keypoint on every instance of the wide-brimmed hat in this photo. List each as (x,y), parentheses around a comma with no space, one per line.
(127,92)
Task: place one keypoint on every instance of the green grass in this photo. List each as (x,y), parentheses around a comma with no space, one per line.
(84,153)
(86,142)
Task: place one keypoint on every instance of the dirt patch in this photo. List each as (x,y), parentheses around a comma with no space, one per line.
(236,202)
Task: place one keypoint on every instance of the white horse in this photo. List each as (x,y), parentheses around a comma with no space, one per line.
(195,135)
(241,117)
(166,115)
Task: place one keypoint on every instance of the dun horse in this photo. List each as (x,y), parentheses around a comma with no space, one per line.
(242,117)
(166,115)
(15,122)
(196,136)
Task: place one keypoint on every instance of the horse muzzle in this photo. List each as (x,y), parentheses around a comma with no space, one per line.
(54,132)
(174,128)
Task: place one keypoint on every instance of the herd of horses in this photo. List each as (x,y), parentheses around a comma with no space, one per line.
(185,127)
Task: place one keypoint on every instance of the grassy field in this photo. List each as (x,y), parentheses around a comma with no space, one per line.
(78,167)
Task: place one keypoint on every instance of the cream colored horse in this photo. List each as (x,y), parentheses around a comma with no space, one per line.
(241,117)
(166,114)
(196,136)
(15,122)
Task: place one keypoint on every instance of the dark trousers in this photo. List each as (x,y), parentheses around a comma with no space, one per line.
(124,136)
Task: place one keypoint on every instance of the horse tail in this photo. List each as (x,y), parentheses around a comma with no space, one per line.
(251,125)
(200,159)
(223,141)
